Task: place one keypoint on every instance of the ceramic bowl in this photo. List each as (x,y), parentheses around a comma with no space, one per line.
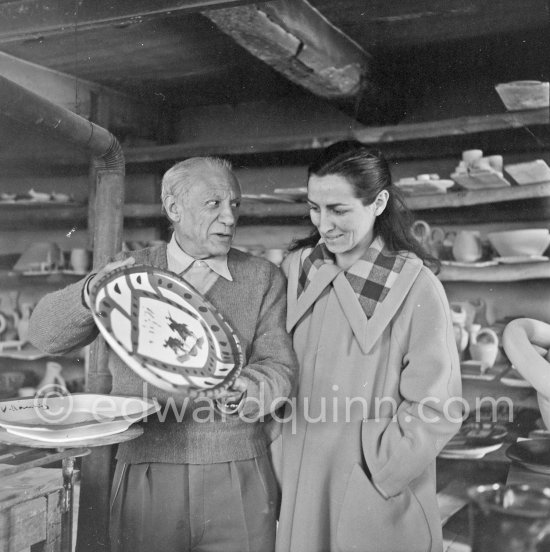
(520,95)
(527,242)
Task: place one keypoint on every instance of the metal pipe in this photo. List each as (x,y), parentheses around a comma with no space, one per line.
(32,110)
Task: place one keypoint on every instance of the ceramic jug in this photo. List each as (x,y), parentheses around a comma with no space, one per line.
(53,380)
(509,518)
(23,322)
(483,346)
(458,317)
(80,259)
(431,239)
(467,246)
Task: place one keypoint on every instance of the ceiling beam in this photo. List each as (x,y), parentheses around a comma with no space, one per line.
(29,19)
(298,41)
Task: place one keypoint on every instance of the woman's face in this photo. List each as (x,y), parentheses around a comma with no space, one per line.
(345,224)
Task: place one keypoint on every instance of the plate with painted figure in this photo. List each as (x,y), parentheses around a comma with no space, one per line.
(166,331)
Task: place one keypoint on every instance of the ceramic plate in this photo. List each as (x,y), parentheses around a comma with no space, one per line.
(475,440)
(412,186)
(467,453)
(521,259)
(532,454)
(166,331)
(62,419)
(514,379)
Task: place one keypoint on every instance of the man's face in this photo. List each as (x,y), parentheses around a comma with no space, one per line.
(207,214)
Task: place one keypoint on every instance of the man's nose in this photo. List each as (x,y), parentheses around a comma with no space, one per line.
(227,216)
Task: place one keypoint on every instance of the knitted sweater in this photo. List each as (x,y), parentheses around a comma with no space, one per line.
(184,430)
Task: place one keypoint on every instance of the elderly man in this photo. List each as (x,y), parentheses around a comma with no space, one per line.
(191,482)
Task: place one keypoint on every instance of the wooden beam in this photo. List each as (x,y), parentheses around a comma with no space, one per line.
(299,42)
(80,96)
(24,19)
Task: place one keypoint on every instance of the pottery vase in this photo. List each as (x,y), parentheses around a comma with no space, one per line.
(483,346)
(467,246)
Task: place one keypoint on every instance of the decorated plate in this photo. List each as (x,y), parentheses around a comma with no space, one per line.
(166,331)
(62,419)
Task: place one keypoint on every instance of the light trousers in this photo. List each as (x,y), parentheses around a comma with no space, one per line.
(224,507)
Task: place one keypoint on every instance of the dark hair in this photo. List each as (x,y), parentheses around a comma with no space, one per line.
(368,173)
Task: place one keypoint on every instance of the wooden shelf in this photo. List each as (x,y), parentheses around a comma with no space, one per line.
(499,273)
(366,134)
(16,217)
(465,198)
(462,198)
(15,280)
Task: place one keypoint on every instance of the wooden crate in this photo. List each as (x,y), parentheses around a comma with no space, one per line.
(30,511)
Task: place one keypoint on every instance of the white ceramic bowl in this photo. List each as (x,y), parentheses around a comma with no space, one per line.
(520,95)
(512,243)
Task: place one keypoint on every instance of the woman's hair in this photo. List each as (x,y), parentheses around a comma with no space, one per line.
(368,172)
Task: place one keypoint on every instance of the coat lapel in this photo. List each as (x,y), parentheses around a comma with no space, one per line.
(323,278)
(367,331)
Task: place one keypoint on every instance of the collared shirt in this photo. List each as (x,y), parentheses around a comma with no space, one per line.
(200,273)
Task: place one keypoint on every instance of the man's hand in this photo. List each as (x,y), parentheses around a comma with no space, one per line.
(94,279)
(231,401)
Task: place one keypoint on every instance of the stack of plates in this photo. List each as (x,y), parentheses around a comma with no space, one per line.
(166,331)
(475,440)
(78,417)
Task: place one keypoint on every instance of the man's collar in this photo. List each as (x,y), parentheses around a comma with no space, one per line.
(179,261)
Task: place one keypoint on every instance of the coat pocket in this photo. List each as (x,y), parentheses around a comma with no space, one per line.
(368,522)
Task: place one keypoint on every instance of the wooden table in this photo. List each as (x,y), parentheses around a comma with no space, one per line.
(54,452)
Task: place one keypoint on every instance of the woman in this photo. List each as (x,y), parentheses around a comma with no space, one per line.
(379,388)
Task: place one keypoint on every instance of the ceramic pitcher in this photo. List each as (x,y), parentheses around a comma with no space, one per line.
(458,317)
(467,246)
(483,346)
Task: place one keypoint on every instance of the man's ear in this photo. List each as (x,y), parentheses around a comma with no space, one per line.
(172,208)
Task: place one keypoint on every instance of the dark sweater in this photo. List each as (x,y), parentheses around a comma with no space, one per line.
(186,431)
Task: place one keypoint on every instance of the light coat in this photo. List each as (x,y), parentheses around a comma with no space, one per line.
(377,400)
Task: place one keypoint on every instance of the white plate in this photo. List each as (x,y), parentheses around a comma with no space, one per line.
(297,193)
(515,382)
(166,331)
(477,264)
(75,417)
(268,198)
(476,452)
(419,187)
(521,259)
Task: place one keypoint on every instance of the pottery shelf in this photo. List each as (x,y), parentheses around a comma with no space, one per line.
(15,280)
(499,273)
(18,217)
(463,198)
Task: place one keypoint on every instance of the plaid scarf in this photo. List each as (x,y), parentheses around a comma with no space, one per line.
(371,277)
